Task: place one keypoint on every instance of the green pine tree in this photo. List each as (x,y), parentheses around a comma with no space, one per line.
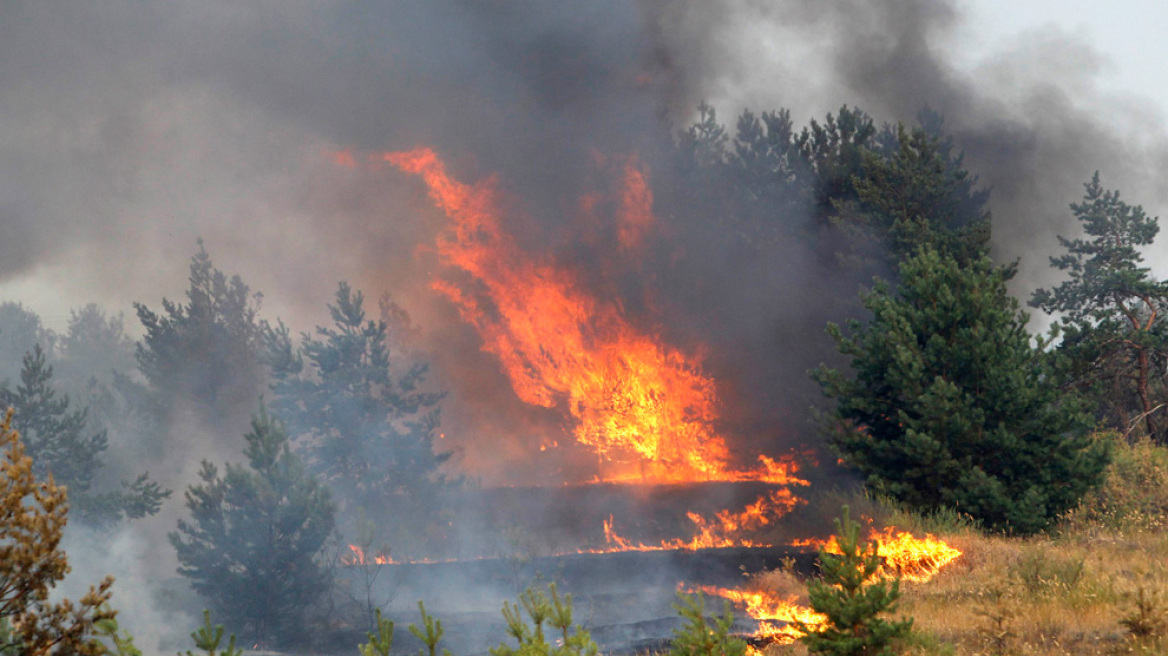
(1114,337)
(369,428)
(552,609)
(201,359)
(853,598)
(251,546)
(60,444)
(919,195)
(952,407)
(701,635)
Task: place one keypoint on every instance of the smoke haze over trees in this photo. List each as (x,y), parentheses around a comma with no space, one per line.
(204,120)
(775,138)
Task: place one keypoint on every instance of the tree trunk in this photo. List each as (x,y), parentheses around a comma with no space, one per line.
(1144,400)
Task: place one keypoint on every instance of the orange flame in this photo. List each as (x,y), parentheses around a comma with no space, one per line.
(907,557)
(725,530)
(633,398)
(768,610)
(358,558)
(344,158)
(636,211)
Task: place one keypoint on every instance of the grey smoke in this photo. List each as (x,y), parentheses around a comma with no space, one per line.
(130,129)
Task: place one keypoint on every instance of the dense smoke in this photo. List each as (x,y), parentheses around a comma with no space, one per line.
(132,129)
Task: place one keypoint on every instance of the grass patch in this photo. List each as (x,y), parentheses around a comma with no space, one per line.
(1097,584)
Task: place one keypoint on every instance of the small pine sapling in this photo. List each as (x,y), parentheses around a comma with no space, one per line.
(704,636)
(380,643)
(207,638)
(852,597)
(557,612)
(107,627)
(432,634)
(1147,619)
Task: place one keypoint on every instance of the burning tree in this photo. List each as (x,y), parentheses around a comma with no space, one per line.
(952,407)
(252,543)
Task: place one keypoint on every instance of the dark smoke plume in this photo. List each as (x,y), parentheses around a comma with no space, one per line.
(131,129)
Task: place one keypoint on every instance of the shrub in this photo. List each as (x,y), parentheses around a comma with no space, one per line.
(1134,493)
(852,597)
(702,636)
(557,612)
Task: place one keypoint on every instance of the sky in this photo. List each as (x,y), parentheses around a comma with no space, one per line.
(1128,34)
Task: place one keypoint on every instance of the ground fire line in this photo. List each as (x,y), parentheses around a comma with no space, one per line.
(644,407)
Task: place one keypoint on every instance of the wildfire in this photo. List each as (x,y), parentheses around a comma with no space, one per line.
(724,530)
(358,558)
(907,557)
(769,610)
(644,406)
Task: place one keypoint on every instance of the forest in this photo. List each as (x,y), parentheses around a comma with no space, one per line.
(293,468)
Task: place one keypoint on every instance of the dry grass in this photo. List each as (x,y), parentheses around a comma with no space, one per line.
(1098,585)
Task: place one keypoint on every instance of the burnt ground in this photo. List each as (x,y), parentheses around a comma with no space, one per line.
(624,599)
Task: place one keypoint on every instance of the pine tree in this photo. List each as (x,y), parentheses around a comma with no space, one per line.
(919,195)
(554,610)
(702,635)
(834,152)
(202,358)
(852,598)
(32,518)
(369,432)
(255,532)
(94,345)
(951,406)
(1114,337)
(61,446)
(21,329)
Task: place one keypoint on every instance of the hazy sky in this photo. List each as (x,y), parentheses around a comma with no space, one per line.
(1128,34)
(130,130)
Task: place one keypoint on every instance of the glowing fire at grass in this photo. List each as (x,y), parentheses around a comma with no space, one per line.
(905,556)
(769,610)
(910,558)
(358,557)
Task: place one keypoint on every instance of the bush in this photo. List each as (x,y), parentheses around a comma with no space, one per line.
(1134,493)
(704,636)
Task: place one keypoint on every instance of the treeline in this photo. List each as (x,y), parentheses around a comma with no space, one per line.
(938,395)
(943,399)
(355,406)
